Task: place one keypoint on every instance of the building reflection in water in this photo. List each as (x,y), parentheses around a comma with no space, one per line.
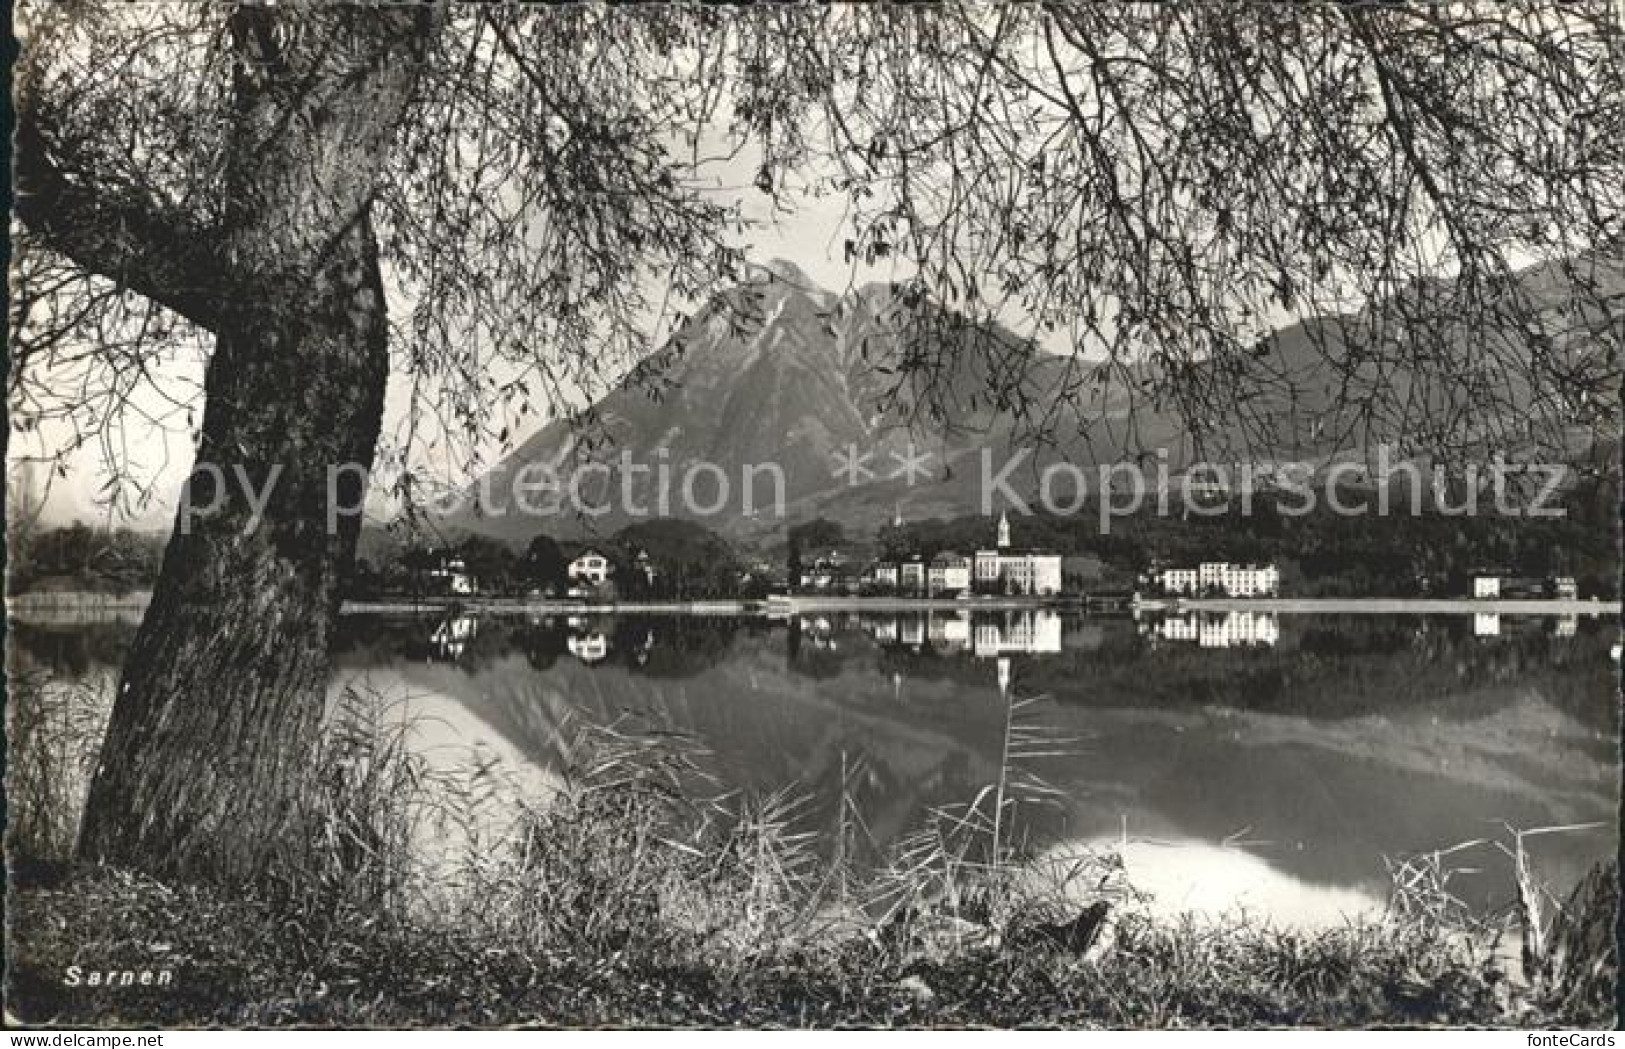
(1019,633)
(1235,629)
(1500,624)
(589,647)
(451,637)
(985,636)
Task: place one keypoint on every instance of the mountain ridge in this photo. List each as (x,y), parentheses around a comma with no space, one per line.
(781,371)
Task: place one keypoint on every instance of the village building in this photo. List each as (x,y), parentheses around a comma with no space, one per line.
(949,573)
(590,566)
(1492,583)
(1003,569)
(912,575)
(1179,580)
(832,570)
(883,575)
(1006,569)
(451,576)
(1222,577)
(762,575)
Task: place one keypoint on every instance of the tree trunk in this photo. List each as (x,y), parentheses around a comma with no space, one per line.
(225,684)
(225,687)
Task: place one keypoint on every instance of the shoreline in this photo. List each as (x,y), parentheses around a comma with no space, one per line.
(510,606)
(24,606)
(774,607)
(1385,605)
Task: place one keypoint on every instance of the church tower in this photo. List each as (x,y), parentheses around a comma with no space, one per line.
(1004,530)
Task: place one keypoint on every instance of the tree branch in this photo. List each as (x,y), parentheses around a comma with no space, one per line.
(117,232)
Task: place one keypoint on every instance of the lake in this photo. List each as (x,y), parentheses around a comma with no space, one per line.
(1274,763)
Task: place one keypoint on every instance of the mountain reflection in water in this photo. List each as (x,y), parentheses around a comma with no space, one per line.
(1243,759)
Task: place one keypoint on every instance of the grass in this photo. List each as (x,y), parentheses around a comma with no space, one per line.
(637,894)
(53,732)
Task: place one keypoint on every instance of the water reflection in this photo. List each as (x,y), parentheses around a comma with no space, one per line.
(991,635)
(590,646)
(1240,628)
(1332,742)
(451,637)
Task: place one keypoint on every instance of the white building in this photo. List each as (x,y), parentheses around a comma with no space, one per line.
(1016,571)
(1486,586)
(948,633)
(828,571)
(1223,577)
(883,573)
(452,574)
(590,566)
(1240,580)
(1180,580)
(948,573)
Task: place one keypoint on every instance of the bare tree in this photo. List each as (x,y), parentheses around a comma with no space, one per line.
(482,198)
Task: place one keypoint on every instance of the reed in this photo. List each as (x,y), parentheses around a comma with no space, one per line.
(53,735)
(636,891)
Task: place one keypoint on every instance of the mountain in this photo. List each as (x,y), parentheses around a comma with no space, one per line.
(1512,367)
(781,371)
